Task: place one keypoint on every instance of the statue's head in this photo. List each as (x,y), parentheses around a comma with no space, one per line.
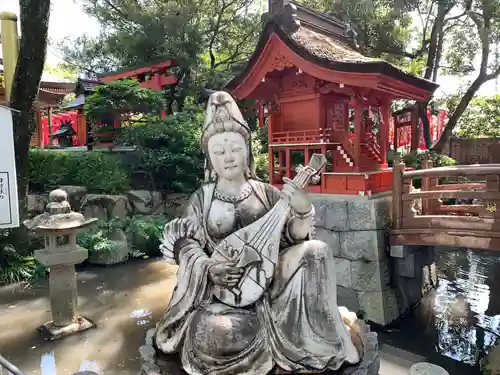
(226,140)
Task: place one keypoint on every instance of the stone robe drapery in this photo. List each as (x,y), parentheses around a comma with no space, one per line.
(295,325)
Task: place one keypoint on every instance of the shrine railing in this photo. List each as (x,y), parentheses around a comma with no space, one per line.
(441,213)
(303,136)
(371,142)
(8,368)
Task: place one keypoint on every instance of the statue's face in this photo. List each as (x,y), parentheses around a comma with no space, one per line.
(229,154)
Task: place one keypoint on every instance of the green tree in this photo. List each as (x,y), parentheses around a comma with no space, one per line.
(481,119)
(472,33)
(451,36)
(32,51)
(382,26)
(123,98)
(206,38)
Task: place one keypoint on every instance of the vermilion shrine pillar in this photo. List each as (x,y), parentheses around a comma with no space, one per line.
(358,129)
(384,133)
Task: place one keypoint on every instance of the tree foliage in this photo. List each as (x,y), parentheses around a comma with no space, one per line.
(457,37)
(124,97)
(454,37)
(382,26)
(481,119)
(206,37)
(15,243)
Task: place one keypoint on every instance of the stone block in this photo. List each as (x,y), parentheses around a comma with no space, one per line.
(369,245)
(146,202)
(320,211)
(332,239)
(370,276)
(336,216)
(70,257)
(369,214)
(37,202)
(379,307)
(406,266)
(343,272)
(104,206)
(401,251)
(398,251)
(75,195)
(348,298)
(175,204)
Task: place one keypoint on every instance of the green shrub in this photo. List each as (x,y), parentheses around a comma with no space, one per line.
(96,238)
(121,98)
(414,160)
(168,151)
(262,167)
(144,233)
(16,261)
(99,172)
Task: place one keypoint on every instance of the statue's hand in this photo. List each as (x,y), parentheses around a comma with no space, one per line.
(297,197)
(182,227)
(225,274)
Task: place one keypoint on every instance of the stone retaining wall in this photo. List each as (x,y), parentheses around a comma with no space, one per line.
(355,227)
(378,282)
(104,206)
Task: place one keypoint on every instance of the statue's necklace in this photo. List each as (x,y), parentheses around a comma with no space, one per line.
(232,198)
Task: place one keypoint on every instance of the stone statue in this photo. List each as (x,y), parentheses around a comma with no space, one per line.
(217,322)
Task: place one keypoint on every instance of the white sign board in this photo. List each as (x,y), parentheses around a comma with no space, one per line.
(9,204)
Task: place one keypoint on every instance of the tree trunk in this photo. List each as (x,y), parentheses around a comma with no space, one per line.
(32,52)
(461,107)
(432,66)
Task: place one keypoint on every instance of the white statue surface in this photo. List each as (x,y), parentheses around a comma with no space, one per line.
(254,291)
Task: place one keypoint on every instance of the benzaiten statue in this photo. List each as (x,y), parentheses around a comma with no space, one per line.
(254,291)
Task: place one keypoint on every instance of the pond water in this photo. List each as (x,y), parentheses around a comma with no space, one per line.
(456,324)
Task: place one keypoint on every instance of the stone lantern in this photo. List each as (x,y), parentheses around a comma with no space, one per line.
(59,226)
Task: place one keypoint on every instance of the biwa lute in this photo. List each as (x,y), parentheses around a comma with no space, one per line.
(255,248)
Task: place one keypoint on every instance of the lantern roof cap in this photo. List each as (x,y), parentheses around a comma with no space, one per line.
(58,216)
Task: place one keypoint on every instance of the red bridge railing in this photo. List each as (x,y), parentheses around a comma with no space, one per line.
(424,217)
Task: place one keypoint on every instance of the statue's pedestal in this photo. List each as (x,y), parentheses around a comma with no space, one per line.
(155,363)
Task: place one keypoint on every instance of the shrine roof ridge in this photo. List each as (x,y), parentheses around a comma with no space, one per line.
(86,85)
(327,51)
(157,61)
(319,22)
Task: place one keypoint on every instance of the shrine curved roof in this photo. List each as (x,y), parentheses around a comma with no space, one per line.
(329,52)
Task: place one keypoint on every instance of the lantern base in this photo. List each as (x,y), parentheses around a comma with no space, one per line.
(50,332)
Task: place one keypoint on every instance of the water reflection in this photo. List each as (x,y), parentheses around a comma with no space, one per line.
(48,363)
(90,366)
(143,316)
(460,320)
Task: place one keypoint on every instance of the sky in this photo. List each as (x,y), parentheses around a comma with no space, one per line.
(68,20)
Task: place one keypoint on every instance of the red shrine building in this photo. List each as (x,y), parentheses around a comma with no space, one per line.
(321,95)
(153,75)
